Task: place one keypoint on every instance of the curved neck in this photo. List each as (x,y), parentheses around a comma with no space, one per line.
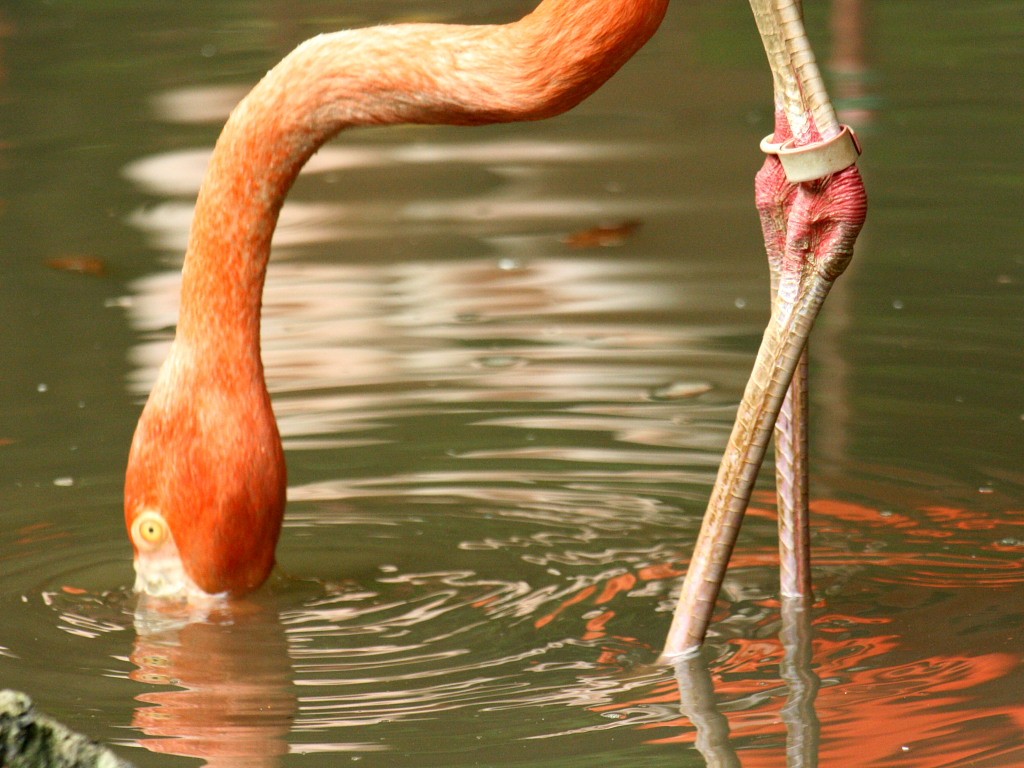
(540,66)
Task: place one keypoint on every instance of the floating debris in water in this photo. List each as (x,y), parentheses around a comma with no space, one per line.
(603,235)
(680,390)
(83,265)
(499,361)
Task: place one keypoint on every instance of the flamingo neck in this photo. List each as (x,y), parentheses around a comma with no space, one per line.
(206,470)
(537,67)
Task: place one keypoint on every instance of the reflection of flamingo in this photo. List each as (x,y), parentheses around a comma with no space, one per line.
(232,700)
(205,486)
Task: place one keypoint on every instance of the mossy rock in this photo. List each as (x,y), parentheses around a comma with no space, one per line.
(30,739)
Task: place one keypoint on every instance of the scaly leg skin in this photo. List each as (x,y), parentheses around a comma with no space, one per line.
(824,218)
(774,197)
(792,491)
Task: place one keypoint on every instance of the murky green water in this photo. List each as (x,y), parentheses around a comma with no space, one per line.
(500,445)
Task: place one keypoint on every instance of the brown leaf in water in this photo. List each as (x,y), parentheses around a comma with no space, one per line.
(603,235)
(85,265)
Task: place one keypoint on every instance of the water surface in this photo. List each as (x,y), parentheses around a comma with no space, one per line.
(500,444)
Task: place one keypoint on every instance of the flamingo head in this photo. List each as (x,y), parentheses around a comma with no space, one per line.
(204,491)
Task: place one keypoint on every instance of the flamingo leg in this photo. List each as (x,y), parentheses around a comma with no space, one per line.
(774,196)
(811,211)
(791,483)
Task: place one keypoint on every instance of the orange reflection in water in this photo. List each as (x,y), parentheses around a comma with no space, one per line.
(877,705)
(919,713)
(234,701)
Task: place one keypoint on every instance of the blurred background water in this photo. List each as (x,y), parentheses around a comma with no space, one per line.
(505,362)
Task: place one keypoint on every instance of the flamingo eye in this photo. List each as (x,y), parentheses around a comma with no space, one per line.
(149,530)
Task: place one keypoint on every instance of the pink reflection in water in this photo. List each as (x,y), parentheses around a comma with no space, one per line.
(875,707)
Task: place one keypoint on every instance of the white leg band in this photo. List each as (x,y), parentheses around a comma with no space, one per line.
(815,161)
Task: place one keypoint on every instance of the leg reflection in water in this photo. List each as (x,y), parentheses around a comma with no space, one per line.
(697,697)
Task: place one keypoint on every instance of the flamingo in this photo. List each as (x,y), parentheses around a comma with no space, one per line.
(206,477)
